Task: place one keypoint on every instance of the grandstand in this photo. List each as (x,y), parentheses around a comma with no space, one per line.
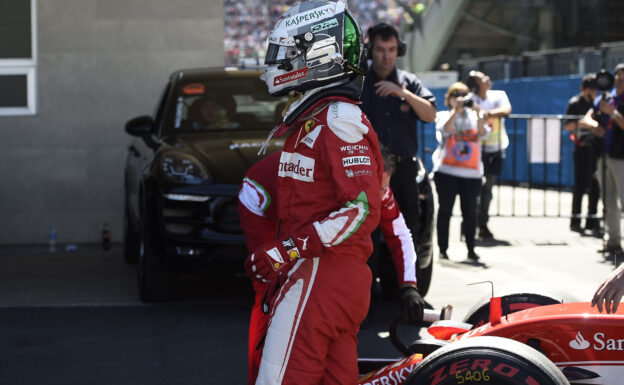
(248,23)
(505,38)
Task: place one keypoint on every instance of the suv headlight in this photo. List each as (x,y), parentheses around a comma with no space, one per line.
(179,167)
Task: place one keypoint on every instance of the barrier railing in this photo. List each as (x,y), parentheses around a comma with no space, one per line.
(538,170)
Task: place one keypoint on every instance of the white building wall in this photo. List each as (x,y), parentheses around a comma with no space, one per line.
(100,63)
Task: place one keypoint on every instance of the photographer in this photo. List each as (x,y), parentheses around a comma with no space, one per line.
(494,105)
(457,165)
(587,149)
(606,119)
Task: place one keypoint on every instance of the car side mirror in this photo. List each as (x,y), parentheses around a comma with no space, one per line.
(140,126)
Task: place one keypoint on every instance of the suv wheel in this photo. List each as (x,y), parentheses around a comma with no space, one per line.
(154,282)
(387,274)
(423,276)
(132,238)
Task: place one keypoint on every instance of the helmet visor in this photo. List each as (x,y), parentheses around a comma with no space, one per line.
(351,44)
(275,54)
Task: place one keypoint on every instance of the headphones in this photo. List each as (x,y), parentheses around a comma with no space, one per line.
(385,30)
(472,83)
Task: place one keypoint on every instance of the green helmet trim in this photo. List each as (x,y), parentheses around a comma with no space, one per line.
(351,42)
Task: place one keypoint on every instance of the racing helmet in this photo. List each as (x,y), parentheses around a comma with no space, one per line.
(314,44)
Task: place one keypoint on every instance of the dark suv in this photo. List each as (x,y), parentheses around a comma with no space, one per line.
(184,168)
(183,172)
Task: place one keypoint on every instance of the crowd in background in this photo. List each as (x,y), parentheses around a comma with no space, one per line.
(248,23)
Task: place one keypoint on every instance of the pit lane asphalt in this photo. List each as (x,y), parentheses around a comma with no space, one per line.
(74,318)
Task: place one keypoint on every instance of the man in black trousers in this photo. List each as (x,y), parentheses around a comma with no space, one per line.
(394,100)
(587,149)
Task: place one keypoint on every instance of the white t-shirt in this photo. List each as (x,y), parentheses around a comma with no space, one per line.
(497,140)
(469,121)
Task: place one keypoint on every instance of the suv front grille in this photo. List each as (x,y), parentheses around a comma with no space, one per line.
(226,217)
(178,229)
(218,215)
(175,212)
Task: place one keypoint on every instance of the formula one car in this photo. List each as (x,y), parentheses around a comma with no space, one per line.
(560,343)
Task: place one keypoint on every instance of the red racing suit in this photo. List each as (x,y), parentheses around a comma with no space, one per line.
(257,209)
(398,238)
(257,212)
(328,182)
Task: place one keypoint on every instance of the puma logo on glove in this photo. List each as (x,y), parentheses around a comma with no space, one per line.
(269,260)
(305,243)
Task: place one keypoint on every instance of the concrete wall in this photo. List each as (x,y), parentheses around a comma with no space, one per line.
(100,63)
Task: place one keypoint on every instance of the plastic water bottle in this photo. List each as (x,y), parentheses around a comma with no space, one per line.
(106,237)
(52,239)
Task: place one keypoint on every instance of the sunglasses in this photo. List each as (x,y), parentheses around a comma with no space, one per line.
(456,94)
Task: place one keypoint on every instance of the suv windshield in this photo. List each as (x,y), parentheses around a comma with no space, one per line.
(228,103)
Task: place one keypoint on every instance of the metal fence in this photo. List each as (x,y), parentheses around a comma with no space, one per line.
(538,170)
(562,61)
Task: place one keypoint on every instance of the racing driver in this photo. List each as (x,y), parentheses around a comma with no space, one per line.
(329,178)
(257,202)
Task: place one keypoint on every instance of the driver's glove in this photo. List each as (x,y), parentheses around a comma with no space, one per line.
(412,304)
(272,258)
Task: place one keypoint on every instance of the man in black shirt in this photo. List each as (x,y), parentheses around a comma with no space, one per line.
(606,119)
(586,153)
(394,100)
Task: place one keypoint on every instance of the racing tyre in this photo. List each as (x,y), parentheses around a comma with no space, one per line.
(486,360)
(132,239)
(479,314)
(154,283)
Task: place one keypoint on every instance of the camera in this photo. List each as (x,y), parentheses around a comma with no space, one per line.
(604,80)
(468,102)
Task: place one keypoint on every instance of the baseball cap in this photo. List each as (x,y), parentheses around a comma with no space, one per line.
(618,67)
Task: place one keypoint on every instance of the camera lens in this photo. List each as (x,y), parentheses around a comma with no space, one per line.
(468,103)
(604,80)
